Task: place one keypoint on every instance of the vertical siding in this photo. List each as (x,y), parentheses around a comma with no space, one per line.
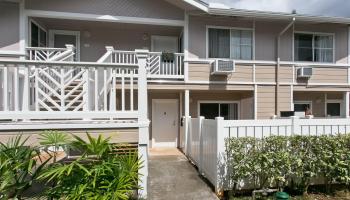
(131,8)
(9,23)
(266,102)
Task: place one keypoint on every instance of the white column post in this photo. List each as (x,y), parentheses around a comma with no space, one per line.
(221,170)
(186,46)
(86,89)
(346,101)
(142,56)
(26,89)
(255,102)
(187,116)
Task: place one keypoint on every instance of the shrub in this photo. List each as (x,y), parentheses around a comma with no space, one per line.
(295,160)
(98,173)
(20,165)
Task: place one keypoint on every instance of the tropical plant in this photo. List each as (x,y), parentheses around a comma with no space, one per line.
(98,173)
(20,165)
(54,141)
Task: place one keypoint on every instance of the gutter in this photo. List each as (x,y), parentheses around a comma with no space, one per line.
(278,65)
(277,15)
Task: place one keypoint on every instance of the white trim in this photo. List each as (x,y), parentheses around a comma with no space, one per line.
(220,102)
(228,28)
(197,5)
(313,40)
(155,37)
(52,33)
(5,53)
(154,102)
(23,27)
(186,46)
(103,18)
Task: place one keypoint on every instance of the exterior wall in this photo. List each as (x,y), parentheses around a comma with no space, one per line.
(201,72)
(245,98)
(266,100)
(318,100)
(117,135)
(95,36)
(9,21)
(131,8)
(265,36)
(327,75)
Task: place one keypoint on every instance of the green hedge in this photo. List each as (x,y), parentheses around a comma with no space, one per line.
(278,161)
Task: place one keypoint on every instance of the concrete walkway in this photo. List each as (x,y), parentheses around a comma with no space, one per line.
(172,177)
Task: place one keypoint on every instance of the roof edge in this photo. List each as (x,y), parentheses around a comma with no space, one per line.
(265,14)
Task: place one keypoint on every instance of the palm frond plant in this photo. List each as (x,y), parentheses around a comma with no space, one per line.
(20,165)
(98,173)
(54,141)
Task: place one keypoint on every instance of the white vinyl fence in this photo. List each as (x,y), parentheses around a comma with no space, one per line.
(205,144)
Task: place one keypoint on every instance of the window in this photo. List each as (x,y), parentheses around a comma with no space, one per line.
(302,106)
(230,43)
(313,47)
(333,109)
(229,111)
(38,36)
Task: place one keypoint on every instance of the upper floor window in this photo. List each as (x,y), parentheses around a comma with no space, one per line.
(230,43)
(38,36)
(313,47)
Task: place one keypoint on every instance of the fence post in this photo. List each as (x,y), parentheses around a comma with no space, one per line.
(143,121)
(200,164)
(294,125)
(221,171)
(188,135)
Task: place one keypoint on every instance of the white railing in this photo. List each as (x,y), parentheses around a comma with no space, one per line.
(206,139)
(50,90)
(156,66)
(50,54)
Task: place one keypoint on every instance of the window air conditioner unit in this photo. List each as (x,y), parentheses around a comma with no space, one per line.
(304,72)
(222,67)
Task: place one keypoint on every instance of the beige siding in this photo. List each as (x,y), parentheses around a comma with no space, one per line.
(131,8)
(329,75)
(265,102)
(286,74)
(265,73)
(9,23)
(117,135)
(201,72)
(284,98)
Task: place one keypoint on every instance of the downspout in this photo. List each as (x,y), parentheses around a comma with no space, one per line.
(278,65)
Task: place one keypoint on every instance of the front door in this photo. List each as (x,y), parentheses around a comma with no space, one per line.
(165,122)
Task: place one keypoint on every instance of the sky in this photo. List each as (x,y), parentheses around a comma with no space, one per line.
(338,8)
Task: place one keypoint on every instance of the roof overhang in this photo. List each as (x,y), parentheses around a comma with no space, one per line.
(226,11)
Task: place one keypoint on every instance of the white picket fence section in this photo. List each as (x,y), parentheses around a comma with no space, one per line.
(156,67)
(45,90)
(205,145)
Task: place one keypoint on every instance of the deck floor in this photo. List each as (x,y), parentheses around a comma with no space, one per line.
(171,177)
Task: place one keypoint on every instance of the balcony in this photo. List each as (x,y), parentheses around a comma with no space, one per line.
(160,66)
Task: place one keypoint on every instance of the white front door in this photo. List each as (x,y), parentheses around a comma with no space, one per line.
(165,122)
